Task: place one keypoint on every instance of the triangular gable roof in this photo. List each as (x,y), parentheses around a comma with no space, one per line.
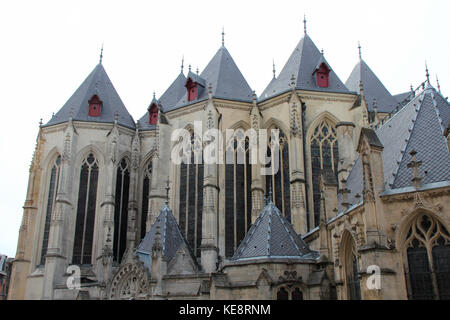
(171,238)
(169,98)
(226,79)
(302,63)
(272,236)
(97,83)
(417,126)
(373,88)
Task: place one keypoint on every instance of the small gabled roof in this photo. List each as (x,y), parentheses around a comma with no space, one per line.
(373,88)
(226,79)
(302,63)
(168,99)
(417,126)
(97,83)
(170,238)
(272,236)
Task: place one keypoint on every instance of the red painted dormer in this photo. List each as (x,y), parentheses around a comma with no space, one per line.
(192,89)
(153,114)
(95,106)
(322,76)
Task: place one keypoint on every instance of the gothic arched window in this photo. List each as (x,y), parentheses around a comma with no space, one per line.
(238,179)
(289,293)
(87,199)
(191,195)
(52,190)
(351,268)
(279,180)
(146,184)
(121,210)
(324,155)
(428,259)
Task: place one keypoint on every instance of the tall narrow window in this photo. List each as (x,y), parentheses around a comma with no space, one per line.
(87,198)
(191,195)
(279,181)
(238,204)
(428,259)
(351,270)
(146,184)
(121,210)
(324,154)
(52,190)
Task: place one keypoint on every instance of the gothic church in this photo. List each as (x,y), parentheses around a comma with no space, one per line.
(362,190)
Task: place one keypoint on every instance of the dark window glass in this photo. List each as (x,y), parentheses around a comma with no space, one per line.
(52,190)
(146,184)
(441,259)
(297,294)
(85,220)
(121,210)
(420,274)
(354,284)
(282,294)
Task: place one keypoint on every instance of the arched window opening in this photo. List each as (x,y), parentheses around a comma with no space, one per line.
(428,259)
(282,294)
(238,204)
(146,184)
(85,221)
(351,268)
(121,210)
(153,114)
(191,194)
(95,106)
(324,155)
(297,294)
(51,199)
(279,180)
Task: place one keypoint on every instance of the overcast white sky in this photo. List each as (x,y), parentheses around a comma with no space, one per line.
(47,48)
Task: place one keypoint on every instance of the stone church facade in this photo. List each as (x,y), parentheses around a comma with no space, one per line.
(359,208)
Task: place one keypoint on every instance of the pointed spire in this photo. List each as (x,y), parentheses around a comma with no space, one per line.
(438,85)
(182,64)
(427,73)
(273,70)
(359,50)
(167,191)
(223,37)
(101,54)
(304,23)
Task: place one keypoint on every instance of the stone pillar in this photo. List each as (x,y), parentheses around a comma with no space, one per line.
(347,150)
(297,165)
(57,260)
(209,249)
(257,187)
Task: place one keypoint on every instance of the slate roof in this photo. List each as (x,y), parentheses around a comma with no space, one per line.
(272,236)
(171,238)
(169,98)
(302,63)
(97,83)
(417,126)
(226,79)
(373,88)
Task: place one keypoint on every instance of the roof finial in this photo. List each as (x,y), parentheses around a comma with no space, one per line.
(359,49)
(189,68)
(197,70)
(438,85)
(304,23)
(154,95)
(273,70)
(167,191)
(182,64)
(101,54)
(270,194)
(321,51)
(427,73)
(223,36)
(40,123)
